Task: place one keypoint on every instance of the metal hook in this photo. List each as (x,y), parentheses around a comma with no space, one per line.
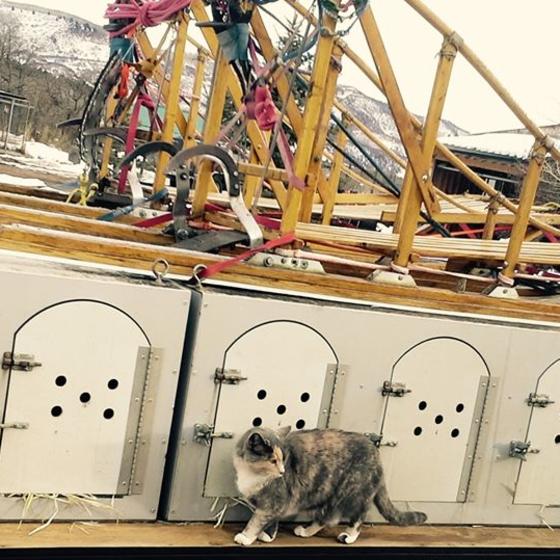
(195,274)
(160,268)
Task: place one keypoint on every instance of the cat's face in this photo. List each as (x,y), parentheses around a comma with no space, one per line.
(262,451)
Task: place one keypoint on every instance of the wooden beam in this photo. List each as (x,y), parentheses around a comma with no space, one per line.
(321,133)
(334,178)
(528,193)
(410,202)
(418,162)
(256,136)
(172,100)
(191,130)
(212,125)
(311,118)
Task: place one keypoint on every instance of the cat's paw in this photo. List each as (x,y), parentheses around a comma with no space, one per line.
(243,539)
(301,531)
(347,538)
(265,537)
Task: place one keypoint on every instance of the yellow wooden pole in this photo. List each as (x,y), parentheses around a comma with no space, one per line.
(311,117)
(401,115)
(491,219)
(410,203)
(321,133)
(256,136)
(108,143)
(490,78)
(251,181)
(334,177)
(172,100)
(212,127)
(190,133)
(526,200)
(282,83)
(159,76)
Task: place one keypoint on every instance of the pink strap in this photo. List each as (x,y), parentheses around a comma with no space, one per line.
(149,13)
(143,100)
(288,160)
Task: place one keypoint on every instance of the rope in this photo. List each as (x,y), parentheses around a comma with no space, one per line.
(148,14)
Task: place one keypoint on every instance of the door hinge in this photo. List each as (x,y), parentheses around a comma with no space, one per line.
(204,434)
(519,449)
(19,362)
(228,376)
(540,401)
(391,389)
(15,426)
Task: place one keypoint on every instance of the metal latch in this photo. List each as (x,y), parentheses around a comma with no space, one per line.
(228,376)
(19,362)
(15,426)
(204,434)
(377,440)
(519,449)
(391,389)
(539,400)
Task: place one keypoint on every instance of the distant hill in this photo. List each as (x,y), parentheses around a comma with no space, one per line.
(67,45)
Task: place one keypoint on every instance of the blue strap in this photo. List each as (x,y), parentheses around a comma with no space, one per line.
(114,214)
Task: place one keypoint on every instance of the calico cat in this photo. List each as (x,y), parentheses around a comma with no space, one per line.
(330,475)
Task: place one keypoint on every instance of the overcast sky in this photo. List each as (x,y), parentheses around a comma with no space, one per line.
(517,39)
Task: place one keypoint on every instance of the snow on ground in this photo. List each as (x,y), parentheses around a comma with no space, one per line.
(42,151)
(45,158)
(21,181)
(41,166)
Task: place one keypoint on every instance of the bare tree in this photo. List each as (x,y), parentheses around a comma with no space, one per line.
(12,49)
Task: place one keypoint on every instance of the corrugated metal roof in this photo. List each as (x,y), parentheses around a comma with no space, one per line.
(501,144)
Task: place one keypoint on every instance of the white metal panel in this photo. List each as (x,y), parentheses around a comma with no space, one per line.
(286,366)
(432,424)
(539,480)
(76,403)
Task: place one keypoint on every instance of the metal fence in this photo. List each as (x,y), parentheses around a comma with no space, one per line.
(15,112)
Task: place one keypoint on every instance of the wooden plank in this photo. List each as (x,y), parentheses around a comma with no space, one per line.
(48,205)
(134,255)
(473,218)
(63,222)
(156,535)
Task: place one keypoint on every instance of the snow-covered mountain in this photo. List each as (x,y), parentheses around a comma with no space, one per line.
(60,42)
(64,43)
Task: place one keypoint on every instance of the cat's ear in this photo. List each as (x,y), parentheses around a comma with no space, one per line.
(283,432)
(258,444)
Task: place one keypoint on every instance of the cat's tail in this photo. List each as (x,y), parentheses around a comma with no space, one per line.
(388,510)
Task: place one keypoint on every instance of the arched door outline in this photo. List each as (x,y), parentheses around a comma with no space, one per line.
(480,387)
(134,379)
(544,450)
(317,410)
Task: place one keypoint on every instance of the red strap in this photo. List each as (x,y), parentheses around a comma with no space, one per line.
(269,223)
(123,84)
(155,221)
(216,268)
